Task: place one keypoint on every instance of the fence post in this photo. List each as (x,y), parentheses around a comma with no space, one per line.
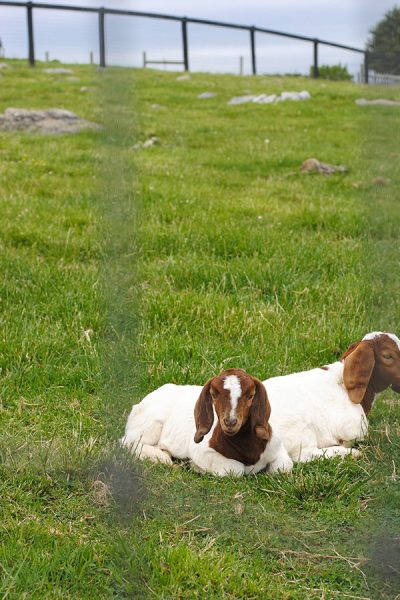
(185,44)
(316,70)
(366,67)
(31,45)
(253,50)
(102,41)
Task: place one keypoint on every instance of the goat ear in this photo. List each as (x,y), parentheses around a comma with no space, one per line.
(203,413)
(358,366)
(260,412)
(350,349)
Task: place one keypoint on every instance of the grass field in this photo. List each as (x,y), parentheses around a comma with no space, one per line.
(123,270)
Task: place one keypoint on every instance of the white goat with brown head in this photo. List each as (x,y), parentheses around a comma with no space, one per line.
(321,412)
(223,427)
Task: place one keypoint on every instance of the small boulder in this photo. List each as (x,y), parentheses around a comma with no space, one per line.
(52,121)
(377,102)
(59,70)
(380,181)
(206,95)
(151,141)
(241,99)
(312,165)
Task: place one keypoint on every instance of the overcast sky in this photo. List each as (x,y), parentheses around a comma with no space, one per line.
(71,36)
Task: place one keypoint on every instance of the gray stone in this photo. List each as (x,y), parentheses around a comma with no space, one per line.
(241,99)
(206,95)
(52,121)
(272,98)
(377,102)
(147,144)
(312,165)
(59,70)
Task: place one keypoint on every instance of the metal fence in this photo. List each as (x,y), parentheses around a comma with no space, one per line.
(185,21)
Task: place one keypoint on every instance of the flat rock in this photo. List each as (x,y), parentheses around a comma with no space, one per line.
(265,99)
(52,121)
(206,95)
(271,98)
(151,141)
(377,102)
(312,165)
(183,78)
(241,99)
(380,181)
(4,66)
(59,70)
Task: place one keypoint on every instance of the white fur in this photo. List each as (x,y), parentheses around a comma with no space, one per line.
(232,383)
(375,334)
(162,425)
(313,415)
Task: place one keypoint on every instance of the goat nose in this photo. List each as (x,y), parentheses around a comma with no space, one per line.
(230,422)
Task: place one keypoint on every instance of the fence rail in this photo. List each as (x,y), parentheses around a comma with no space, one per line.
(102,12)
(384,78)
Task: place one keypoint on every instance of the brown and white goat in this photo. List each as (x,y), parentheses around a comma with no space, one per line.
(223,428)
(321,412)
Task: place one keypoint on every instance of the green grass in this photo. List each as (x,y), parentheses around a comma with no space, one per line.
(123,270)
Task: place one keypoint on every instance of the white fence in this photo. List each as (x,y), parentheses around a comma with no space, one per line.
(383,78)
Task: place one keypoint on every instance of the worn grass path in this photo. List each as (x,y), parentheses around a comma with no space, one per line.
(124,270)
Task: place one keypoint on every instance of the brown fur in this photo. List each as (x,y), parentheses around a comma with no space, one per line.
(245,446)
(246,440)
(203,413)
(367,371)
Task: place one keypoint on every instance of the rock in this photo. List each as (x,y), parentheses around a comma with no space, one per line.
(379,101)
(241,99)
(147,144)
(73,78)
(380,181)
(4,66)
(264,99)
(206,95)
(296,96)
(312,165)
(59,70)
(150,142)
(271,99)
(52,121)
(183,77)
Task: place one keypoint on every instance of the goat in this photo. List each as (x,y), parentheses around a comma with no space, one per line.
(321,412)
(223,428)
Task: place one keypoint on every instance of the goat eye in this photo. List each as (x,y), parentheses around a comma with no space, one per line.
(387,356)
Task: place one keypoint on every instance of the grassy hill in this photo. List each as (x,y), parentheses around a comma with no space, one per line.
(123,269)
